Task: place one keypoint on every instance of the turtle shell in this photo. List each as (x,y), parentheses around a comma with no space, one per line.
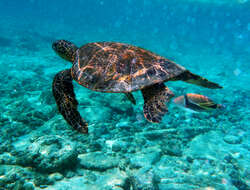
(119,67)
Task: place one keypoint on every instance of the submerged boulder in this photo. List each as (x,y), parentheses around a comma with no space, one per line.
(50,153)
(232,139)
(98,161)
(144,178)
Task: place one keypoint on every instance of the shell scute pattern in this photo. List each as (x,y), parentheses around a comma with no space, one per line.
(118,67)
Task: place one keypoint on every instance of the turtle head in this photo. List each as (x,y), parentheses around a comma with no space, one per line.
(65,49)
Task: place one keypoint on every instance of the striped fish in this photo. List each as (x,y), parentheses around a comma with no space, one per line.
(196,102)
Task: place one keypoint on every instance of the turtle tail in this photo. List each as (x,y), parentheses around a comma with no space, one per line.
(189,77)
(66,102)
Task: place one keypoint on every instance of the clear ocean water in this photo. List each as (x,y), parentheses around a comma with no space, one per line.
(186,151)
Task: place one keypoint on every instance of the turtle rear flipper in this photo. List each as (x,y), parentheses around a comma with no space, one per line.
(155,99)
(189,77)
(66,102)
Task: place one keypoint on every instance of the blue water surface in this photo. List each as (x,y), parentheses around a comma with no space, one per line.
(205,151)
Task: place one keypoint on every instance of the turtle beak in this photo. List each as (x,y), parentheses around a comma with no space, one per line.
(54,45)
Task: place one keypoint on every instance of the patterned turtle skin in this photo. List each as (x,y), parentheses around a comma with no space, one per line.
(114,67)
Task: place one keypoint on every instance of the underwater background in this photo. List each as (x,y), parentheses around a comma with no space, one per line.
(186,151)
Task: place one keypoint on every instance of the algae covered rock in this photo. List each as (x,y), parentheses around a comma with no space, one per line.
(114,179)
(145,159)
(144,178)
(55,177)
(15,177)
(232,139)
(51,153)
(98,161)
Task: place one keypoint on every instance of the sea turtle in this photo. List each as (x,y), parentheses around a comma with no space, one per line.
(117,68)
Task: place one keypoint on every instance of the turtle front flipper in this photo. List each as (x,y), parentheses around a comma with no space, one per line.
(130,97)
(155,99)
(189,77)
(66,102)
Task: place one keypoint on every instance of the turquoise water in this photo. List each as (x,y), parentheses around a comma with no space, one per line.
(205,151)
